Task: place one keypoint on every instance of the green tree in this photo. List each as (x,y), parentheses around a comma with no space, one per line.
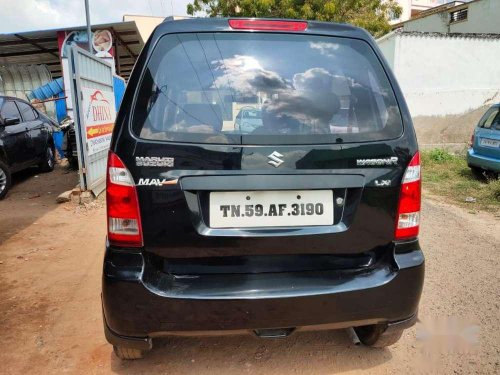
(373,15)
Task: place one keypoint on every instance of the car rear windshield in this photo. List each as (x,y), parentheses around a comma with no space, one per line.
(264,88)
(491,119)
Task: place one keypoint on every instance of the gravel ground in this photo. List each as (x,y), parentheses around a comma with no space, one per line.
(50,314)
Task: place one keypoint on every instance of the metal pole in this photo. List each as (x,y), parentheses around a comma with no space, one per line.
(89,31)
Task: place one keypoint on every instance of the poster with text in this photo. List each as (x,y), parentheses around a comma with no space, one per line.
(99,118)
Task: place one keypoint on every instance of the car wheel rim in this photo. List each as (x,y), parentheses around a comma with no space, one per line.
(3,180)
(50,157)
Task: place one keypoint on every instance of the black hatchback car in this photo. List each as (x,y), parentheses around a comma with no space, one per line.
(25,140)
(307,221)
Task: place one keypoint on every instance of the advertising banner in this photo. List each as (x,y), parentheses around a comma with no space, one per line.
(99,118)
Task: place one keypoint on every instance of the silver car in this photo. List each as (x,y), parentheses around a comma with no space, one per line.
(248,119)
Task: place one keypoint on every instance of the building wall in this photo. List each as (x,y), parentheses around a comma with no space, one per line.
(145,24)
(434,23)
(442,75)
(410,7)
(406,11)
(387,45)
(483,17)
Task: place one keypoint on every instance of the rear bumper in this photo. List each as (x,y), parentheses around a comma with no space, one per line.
(140,302)
(481,161)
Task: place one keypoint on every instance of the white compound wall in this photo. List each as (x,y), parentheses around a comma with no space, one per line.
(444,75)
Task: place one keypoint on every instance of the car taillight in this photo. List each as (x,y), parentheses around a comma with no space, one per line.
(253,24)
(124,219)
(471,142)
(408,218)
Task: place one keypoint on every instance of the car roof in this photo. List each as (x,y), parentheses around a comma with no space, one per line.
(217,24)
(5,97)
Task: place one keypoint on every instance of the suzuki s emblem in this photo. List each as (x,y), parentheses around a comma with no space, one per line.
(275,159)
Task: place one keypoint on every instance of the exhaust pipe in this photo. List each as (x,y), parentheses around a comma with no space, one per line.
(353,336)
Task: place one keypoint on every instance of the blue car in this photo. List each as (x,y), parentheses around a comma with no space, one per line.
(484,153)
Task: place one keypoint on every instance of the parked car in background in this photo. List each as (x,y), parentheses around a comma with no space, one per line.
(292,226)
(248,119)
(25,140)
(69,147)
(484,152)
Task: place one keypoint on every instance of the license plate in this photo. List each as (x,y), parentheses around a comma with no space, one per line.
(282,208)
(489,142)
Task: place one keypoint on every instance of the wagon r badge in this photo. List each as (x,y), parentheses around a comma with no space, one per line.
(275,159)
(383,161)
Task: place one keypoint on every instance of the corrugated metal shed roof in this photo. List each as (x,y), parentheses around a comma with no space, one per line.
(40,47)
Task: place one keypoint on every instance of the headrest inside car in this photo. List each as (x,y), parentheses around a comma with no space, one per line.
(203,114)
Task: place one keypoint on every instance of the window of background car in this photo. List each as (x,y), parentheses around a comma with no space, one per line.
(9,110)
(491,119)
(26,111)
(256,88)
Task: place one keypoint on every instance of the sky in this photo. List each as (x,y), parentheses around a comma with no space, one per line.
(26,15)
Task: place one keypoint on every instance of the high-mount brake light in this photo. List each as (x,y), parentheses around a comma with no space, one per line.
(124,219)
(253,24)
(408,216)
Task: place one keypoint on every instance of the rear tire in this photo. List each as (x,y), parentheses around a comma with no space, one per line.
(477,172)
(490,175)
(5,179)
(49,161)
(376,335)
(127,353)
(73,162)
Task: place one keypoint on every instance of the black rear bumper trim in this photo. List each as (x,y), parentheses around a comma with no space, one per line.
(140,343)
(139,300)
(402,324)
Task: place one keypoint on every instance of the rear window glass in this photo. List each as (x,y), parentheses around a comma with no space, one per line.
(491,119)
(256,88)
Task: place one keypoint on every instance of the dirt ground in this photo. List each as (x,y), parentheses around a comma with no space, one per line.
(50,314)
